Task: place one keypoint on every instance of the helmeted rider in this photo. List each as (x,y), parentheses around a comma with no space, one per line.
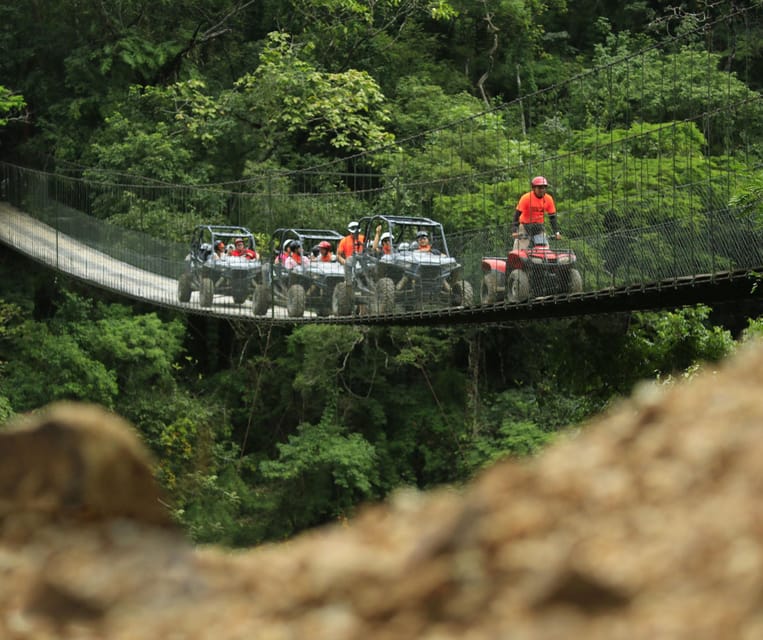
(532,208)
(349,247)
(281,257)
(422,238)
(240,249)
(351,244)
(296,259)
(324,252)
(382,241)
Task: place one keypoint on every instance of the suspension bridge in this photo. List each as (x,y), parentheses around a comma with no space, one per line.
(650,179)
(621,270)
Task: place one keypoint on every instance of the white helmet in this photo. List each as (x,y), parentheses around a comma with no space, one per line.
(386,236)
(353,227)
(285,245)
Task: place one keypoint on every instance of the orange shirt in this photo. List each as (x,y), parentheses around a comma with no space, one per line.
(533,208)
(348,243)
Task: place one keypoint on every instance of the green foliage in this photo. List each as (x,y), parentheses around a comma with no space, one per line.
(754,330)
(89,352)
(10,105)
(45,365)
(665,343)
(320,474)
(287,96)
(658,85)
(510,439)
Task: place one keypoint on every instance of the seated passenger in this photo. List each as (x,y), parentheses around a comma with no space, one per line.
(422,237)
(324,252)
(219,250)
(386,242)
(296,259)
(242,250)
(281,257)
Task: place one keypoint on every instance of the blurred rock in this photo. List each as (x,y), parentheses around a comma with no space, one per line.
(648,524)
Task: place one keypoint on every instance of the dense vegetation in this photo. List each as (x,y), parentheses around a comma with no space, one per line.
(260,432)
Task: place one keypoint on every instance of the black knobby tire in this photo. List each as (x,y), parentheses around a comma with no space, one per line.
(518,286)
(184,287)
(490,292)
(385,295)
(341,299)
(206,292)
(463,294)
(295,301)
(260,299)
(240,291)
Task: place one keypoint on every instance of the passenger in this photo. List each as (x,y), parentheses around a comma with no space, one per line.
(324,252)
(281,257)
(296,259)
(386,241)
(532,208)
(242,250)
(422,237)
(230,249)
(219,250)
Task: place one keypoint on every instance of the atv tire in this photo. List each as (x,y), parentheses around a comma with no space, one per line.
(295,301)
(463,294)
(260,300)
(575,281)
(491,292)
(518,286)
(341,299)
(239,291)
(385,295)
(184,287)
(206,292)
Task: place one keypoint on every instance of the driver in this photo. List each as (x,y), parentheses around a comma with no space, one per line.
(240,249)
(532,208)
(422,237)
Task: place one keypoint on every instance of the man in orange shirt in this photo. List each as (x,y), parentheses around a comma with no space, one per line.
(351,244)
(532,208)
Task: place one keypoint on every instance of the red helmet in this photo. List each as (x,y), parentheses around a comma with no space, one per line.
(539,181)
(324,244)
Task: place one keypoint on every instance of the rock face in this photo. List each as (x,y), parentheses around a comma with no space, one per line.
(648,524)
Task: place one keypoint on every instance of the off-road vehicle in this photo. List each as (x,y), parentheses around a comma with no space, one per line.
(402,271)
(531,270)
(223,275)
(309,285)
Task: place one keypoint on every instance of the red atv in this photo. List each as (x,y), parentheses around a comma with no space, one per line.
(531,269)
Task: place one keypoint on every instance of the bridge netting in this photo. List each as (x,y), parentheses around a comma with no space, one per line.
(650,157)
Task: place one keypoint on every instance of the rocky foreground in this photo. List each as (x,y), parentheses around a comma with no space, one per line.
(649,524)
